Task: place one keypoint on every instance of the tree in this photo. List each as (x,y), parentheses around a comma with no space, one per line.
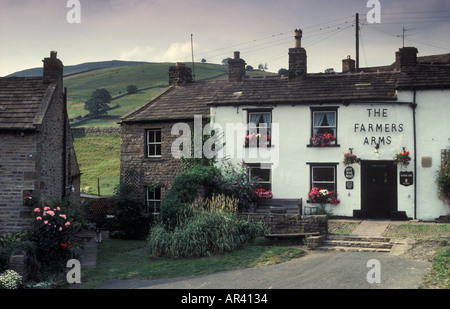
(225,61)
(203,60)
(98,104)
(283,72)
(131,89)
(262,67)
(249,68)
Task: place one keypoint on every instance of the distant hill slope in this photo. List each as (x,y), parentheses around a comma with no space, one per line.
(115,76)
(79,68)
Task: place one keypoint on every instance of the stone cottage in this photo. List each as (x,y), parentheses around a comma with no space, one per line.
(294,132)
(37,158)
(146,160)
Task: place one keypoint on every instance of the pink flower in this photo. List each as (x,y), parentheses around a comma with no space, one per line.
(67,224)
(46,208)
(51,213)
(37,209)
(63,216)
(38,218)
(57,208)
(45,222)
(60,228)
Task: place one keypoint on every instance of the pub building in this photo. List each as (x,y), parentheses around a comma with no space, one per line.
(372,114)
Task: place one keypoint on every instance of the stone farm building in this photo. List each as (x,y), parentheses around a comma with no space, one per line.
(37,158)
(373,113)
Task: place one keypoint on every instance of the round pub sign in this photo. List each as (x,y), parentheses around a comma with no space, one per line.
(349,172)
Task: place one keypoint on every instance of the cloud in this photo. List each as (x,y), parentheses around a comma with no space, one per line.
(177,51)
(137,53)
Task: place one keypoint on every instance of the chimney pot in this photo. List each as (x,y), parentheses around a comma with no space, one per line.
(407,57)
(237,55)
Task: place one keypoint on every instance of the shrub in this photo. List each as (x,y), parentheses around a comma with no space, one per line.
(235,181)
(205,233)
(51,229)
(175,207)
(131,220)
(10,280)
(443,181)
(11,243)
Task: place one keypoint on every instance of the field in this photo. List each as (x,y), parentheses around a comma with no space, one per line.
(99,160)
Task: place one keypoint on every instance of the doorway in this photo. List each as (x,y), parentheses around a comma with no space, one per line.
(378,189)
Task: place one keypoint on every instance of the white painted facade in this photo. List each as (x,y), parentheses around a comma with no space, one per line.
(360,126)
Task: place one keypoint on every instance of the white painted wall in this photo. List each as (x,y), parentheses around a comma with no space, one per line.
(290,154)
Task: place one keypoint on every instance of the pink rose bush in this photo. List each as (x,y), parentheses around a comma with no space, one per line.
(51,228)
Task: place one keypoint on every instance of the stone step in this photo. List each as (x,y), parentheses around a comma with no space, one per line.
(358,238)
(356,243)
(356,249)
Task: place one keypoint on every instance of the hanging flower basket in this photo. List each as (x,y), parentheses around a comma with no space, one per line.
(30,201)
(350,159)
(402,158)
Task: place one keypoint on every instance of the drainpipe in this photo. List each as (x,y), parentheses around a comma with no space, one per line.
(64,145)
(413,106)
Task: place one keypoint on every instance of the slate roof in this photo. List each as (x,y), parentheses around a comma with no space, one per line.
(21,100)
(182,102)
(426,76)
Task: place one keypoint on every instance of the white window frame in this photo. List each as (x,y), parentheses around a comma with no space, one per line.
(153,144)
(153,204)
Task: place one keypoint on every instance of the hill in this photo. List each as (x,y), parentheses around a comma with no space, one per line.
(79,68)
(149,78)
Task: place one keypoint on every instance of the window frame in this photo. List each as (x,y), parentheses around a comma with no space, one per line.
(152,203)
(266,166)
(313,166)
(149,144)
(330,109)
(269,126)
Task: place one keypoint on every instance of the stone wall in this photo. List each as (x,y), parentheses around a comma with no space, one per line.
(162,171)
(95,131)
(291,223)
(18,179)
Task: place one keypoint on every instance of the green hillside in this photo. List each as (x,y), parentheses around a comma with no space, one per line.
(150,79)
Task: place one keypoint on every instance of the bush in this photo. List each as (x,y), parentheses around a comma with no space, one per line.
(235,181)
(205,233)
(131,220)
(10,280)
(51,230)
(12,243)
(443,181)
(175,207)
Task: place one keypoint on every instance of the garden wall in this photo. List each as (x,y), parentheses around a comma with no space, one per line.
(291,223)
(95,131)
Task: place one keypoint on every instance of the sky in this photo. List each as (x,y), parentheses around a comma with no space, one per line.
(177,30)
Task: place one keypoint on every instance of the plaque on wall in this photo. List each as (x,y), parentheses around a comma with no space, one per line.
(406,178)
(349,172)
(349,185)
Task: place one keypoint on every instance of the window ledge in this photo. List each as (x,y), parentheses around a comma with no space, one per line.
(327,146)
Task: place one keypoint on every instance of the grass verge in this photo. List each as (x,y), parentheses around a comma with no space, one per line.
(125,259)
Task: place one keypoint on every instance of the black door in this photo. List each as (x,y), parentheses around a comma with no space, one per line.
(378,188)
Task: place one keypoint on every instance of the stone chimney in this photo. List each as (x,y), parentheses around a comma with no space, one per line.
(348,65)
(297,57)
(53,69)
(180,74)
(406,57)
(236,68)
